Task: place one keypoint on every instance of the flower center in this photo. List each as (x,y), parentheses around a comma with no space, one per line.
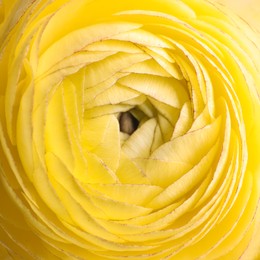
(128,123)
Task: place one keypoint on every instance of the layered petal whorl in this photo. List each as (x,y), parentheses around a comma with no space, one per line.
(129,129)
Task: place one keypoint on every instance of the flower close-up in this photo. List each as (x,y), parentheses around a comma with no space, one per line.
(129,129)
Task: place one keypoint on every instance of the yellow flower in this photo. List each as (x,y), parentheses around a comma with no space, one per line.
(129,129)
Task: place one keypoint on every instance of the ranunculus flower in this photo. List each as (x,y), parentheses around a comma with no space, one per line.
(129,129)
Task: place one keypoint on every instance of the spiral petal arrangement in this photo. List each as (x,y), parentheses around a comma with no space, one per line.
(128,130)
